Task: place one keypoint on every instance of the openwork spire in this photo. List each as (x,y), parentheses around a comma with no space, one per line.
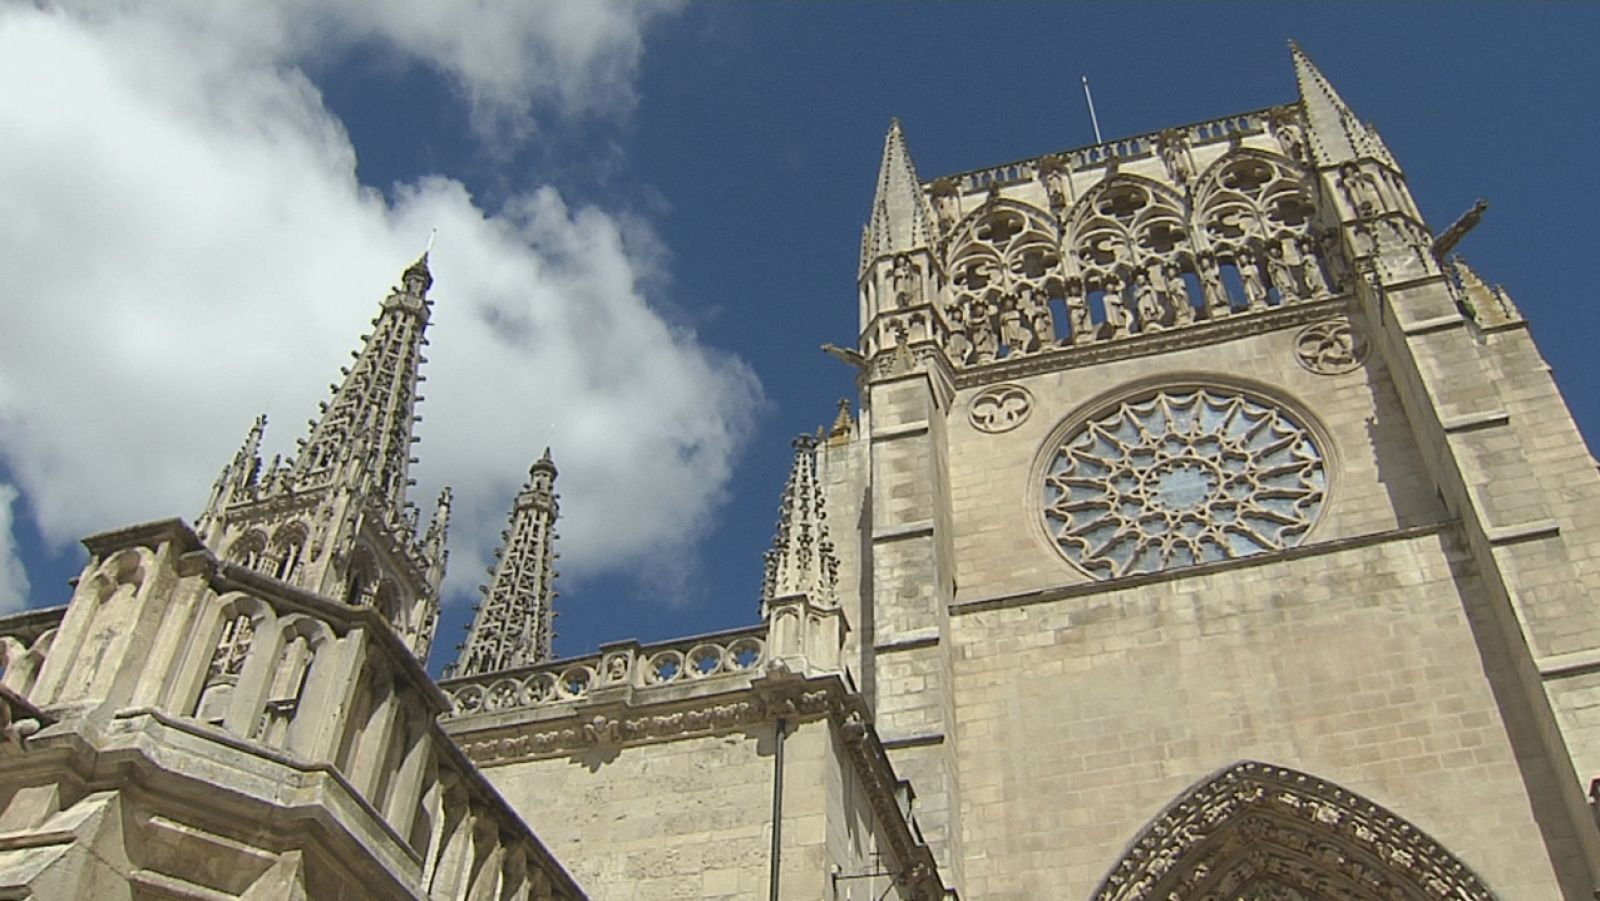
(335,520)
(801,561)
(364,436)
(901,218)
(1337,136)
(514,623)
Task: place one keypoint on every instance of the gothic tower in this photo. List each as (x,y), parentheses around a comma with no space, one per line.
(335,519)
(514,623)
(1217,536)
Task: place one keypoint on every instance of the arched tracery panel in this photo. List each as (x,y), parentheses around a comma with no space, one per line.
(249,550)
(1129,238)
(1267,833)
(1256,213)
(286,551)
(1005,265)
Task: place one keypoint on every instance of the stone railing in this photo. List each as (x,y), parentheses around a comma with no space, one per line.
(719,656)
(1097,155)
(798,635)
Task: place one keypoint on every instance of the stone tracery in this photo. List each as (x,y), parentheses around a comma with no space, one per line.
(1181,477)
(1131,255)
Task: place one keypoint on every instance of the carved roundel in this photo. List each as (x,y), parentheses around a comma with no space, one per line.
(1000,409)
(1333,347)
(1180,477)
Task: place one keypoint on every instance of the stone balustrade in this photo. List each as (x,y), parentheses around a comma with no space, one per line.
(284,686)
(798,634)
(717,657)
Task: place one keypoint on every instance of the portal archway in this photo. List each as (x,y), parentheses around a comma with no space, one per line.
(1257,832)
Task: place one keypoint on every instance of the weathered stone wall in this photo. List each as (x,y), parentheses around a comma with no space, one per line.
(1376,479)
(682,819)
(1081,718)
(691,818)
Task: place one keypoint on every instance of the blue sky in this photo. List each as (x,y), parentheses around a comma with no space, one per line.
(208,240)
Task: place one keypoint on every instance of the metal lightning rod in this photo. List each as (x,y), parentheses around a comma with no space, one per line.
(1093,120)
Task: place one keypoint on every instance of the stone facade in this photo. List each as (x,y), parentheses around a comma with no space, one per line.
(1203,532)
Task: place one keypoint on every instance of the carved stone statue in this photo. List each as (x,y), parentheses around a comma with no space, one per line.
(1311,267)
(906,290)
(1014,333)
(1216,293)
(1151,315)
(1174,148)
(957,344)
(1255,290)
(946,205)
(1078,319)
(985,344)
(1041,318)
(1280,271)
(1176,291)
(1116,307)
(1290,137)
(1057,184)
(1358,189)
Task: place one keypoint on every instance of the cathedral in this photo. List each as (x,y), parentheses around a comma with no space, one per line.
(1205,529)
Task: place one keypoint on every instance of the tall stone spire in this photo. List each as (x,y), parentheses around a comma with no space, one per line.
(901,218)
(369,420)
(335,520)
(801,561)
(514,625)
(1337,136)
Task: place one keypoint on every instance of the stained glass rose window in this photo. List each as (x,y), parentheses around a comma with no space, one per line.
(1182,477)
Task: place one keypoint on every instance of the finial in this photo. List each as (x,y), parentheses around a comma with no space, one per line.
(842,423)
(418,278)
(543,464)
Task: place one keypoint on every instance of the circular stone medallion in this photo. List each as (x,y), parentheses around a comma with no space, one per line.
(1333,347)
(1000,409)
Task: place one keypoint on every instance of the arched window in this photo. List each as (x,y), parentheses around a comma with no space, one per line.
(249,549)
(361,578)
(288,546)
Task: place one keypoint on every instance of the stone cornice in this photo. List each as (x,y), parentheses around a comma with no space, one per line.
(1319,549)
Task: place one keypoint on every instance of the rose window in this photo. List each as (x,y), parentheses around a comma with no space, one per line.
(1179,478)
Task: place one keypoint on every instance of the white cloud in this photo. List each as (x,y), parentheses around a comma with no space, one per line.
(509,60)
(13,577)
(185,244)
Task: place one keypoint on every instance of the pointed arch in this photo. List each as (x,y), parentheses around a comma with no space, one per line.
(1252,195)
(288,547)
(1126,216)
(1000,243)
(1255,830)
(249,549)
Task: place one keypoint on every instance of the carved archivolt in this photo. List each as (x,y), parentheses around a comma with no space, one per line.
(1268,833)
(1179,477)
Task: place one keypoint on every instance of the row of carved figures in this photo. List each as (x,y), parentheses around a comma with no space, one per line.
(1134,300)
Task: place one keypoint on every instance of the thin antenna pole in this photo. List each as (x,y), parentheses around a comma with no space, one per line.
(1093,120)
(432,233)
